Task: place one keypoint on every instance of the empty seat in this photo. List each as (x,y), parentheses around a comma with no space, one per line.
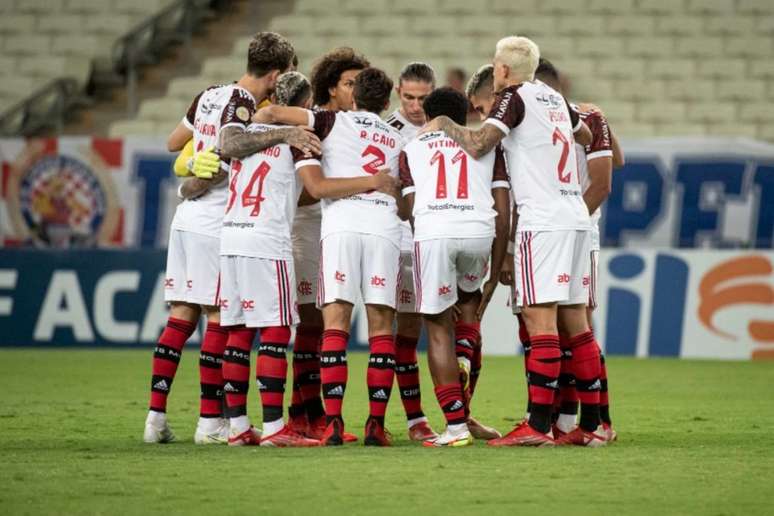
(134,128)
(163,109)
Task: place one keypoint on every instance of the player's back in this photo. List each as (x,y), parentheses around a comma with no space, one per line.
(263,191)
(212,110)
(452,190)
(360,144)
(542,159)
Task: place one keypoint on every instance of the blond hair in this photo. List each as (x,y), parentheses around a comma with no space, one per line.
(520,54)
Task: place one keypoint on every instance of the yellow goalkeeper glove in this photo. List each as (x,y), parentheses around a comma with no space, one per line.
(184,161)
(206,164)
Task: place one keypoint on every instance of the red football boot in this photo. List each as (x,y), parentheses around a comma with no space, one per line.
(334,431)
(349,438)
(375,434)
(421,432)
(557,432)
(610,434)
(288,438)
(300,425)
(523,435)
(580,437)
(250,437)
(315,429)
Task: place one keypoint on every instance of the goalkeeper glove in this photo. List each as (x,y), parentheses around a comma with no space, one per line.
(184,160)
(206,164)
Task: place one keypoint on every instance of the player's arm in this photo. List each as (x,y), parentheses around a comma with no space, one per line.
(236,142)
(179,137)
(599,159)
(506,271)
(407,189)
(619,159)
(286,115)
(475,142)
(195,187)
(321,187)
(580,130)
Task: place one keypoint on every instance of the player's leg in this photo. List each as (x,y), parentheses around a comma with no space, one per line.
(604,401)
(585,357)
(181,324)
(409,328)
(306,411)
(337,287)
(539,259)
(212,427)
(379,276)
(436,279)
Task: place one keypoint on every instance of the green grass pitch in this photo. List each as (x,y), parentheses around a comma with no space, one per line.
(696,437)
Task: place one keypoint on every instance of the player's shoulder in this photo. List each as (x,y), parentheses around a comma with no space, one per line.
(395,120)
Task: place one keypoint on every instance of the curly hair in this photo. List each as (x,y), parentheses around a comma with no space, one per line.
(269,51)
(446,101)
(372,90)
(328,69)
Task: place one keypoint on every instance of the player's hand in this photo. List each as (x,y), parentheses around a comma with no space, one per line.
(588,107)
(262,116)
(506,271)
(206,164)
(304,139)
(385,183)
(486,296)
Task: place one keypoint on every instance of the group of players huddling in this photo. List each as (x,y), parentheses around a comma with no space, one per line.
(302,201)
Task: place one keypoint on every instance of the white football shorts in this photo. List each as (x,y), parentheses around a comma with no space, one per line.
(443,265)
(552,267)
(257,292)
(193,268)
(358,262)
(593,273)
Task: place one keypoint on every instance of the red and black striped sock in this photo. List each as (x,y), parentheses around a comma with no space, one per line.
(543,368)
(475,368)
(211,371)
(306,370)
(604,400)
(166,357)
(567,401)
(333,371)
(450,399)
(296,408)
(466,337)
(407,374)
(271,370)
(586,368)
(524,339)
(380,375)
(236,369)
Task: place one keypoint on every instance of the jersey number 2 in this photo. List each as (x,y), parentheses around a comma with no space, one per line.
(248,199)
(440,183)
(559,137)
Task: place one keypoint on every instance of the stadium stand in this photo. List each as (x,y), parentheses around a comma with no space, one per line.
(54,51)
(657,67)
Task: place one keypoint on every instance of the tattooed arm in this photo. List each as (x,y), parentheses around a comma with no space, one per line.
(235,142)
(475,142)
(195,187)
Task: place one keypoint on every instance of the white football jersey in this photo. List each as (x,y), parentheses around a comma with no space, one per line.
(212,110)
(540,150)
(263,191)
(355,144)
(600,147)
(452,191)
(408,131)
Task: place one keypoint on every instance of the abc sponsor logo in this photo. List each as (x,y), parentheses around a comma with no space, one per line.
(340,277)
(377,281)
(304,287)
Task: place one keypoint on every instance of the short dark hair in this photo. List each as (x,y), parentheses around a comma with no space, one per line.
(328,69)
(447,101)
(547,69)
(372,90)
(417,71)
(269,51)
(483,78)
(293,89)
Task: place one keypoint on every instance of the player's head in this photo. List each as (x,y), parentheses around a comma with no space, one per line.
(415,83)
(293,89)
(268,56)
(371,91)
(447,101)
(515,61)
(480,90)
(455,78)
(547,73)
(333,77)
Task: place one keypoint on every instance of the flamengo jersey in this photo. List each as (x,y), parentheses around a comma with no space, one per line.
(600,147)
(354,144)
(212,110)
(540,150)
(408,131)
(453,191)
(263,192)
